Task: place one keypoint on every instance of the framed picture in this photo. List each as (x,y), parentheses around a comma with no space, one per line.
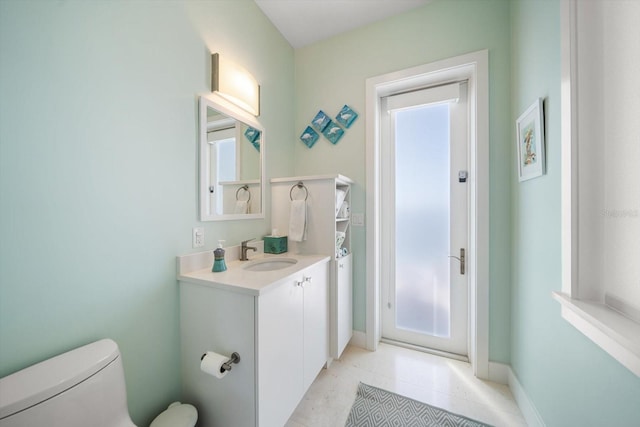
(346,116)
(320,121)
(530,140)
(253,135)
(309,136)
(333,132)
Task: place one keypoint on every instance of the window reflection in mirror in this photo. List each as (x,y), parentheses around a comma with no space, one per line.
(231,164)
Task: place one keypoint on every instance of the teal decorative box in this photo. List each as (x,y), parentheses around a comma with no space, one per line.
(275,245)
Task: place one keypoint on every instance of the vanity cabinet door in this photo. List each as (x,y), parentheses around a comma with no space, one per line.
(280,358)
(316,321)
(343,303)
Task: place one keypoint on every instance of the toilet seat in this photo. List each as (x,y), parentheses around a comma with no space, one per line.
(177,415)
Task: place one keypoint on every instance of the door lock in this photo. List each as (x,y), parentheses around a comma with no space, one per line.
(461,259)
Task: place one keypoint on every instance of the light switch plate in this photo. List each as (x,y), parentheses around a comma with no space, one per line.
(197,237)
(357,219)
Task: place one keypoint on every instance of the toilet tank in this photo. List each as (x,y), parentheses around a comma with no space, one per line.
(80,388)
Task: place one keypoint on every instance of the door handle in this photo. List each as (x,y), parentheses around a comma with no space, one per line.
(461,259)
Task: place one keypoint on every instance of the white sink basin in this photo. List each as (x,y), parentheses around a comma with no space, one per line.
(269,264)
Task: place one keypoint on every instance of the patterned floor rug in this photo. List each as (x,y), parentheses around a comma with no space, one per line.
(375,407)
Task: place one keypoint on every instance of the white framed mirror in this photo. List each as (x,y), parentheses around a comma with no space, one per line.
(232,147)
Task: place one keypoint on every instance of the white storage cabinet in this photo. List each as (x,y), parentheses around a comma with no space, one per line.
(324,219)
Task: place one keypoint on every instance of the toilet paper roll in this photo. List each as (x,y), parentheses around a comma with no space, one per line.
(212,362)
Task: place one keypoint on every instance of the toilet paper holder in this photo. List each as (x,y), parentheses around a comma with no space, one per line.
(235,358)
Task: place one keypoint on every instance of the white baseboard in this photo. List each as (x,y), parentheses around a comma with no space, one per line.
(528,409)
(503,374)
(358,339)
(499,373)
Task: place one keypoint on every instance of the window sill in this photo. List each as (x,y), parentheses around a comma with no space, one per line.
(614,333)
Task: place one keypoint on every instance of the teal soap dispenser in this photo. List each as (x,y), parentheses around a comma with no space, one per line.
(218,258)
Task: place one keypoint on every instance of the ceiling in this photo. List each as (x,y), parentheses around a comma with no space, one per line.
(303,22)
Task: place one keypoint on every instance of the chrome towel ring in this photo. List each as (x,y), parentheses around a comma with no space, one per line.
(245,188)
(301,186)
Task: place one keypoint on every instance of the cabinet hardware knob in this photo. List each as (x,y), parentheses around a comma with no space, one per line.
(305,279)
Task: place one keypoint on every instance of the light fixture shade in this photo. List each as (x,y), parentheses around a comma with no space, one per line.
(235,84)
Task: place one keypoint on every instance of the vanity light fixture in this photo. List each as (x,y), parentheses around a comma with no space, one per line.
(235,84)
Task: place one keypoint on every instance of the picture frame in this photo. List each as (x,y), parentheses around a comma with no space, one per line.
(309,136)
(346,117)
(333,132)
(530,142)
(253,135)
(320,121)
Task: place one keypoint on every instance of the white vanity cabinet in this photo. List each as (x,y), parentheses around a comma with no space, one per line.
(327,197)
(293,342)
(281,333)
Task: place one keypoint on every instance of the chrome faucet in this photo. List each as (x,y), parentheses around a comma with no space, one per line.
(244,248)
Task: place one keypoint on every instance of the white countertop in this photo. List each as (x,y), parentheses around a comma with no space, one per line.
(236,278)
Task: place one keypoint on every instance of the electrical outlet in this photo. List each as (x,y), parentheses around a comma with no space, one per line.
(357,219)
(198,237)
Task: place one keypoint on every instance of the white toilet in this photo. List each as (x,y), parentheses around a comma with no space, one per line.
(83,387)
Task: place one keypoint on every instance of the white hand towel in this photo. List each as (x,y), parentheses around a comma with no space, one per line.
(298,221)
(242,207)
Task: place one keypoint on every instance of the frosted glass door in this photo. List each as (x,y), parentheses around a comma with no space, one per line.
(422,225)
(425,224)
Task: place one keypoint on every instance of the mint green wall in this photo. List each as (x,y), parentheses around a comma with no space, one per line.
(570,380)
(98,162)
(98,139)
(332,73)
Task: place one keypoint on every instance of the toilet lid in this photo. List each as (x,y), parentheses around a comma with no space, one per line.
(177,415)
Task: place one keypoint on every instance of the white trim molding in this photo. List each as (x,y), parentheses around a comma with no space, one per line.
(358,339)
(616,334)
(473,67)
(528,409)
(499,372)
(502,373)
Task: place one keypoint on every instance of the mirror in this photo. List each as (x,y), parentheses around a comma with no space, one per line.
(232,145)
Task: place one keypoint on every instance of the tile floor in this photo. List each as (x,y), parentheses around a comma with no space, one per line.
(445,383)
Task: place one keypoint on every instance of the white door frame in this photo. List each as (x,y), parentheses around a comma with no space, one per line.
(473,67)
